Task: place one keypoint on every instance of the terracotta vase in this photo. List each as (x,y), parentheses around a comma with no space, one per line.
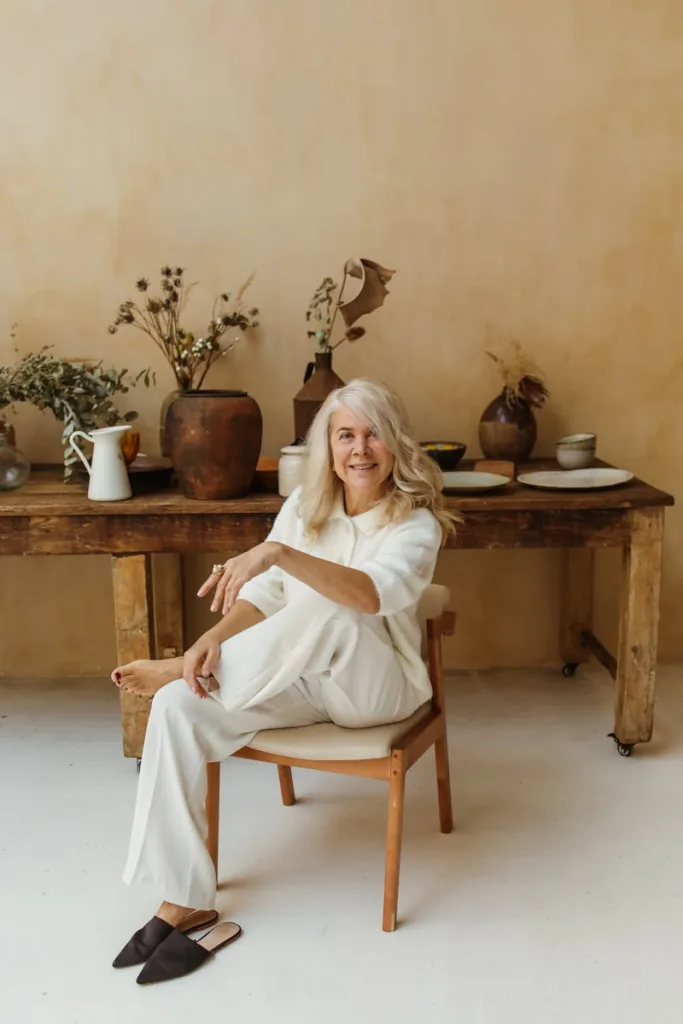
(215,443)
(164,440)
(319,380)
(507,429)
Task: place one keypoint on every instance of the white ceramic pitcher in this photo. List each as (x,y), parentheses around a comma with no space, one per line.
(108,474)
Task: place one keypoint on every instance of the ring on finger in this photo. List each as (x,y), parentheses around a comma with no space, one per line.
(218,570)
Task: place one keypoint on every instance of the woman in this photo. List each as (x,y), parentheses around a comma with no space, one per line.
(319,624)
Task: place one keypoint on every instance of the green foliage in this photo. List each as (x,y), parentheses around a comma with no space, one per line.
(79,394)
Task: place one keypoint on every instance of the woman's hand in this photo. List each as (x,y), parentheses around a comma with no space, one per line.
(200,660)
(238,571)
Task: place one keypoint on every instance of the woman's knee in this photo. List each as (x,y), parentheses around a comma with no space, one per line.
(173,700)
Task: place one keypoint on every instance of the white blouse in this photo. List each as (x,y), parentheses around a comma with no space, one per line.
(398,557)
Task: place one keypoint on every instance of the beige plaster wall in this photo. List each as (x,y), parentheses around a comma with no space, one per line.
(519,163)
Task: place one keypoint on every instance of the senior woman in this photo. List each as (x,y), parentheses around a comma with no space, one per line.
(318,625)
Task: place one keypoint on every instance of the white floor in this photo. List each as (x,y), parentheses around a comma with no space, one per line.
(559,898)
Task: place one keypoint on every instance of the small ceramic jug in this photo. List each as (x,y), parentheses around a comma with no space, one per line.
(108,475)
(291,468)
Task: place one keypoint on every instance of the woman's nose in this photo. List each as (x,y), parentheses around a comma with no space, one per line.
(360,446)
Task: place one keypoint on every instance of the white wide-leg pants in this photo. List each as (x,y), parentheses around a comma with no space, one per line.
(313,661)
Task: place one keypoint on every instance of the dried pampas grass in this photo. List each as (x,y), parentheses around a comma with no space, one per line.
(522,379)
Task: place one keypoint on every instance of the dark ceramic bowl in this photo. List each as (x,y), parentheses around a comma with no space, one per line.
(446,454)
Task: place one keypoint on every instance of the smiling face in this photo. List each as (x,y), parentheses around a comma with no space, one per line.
(361,460)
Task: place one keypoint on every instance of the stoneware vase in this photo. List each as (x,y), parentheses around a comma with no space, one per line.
(319,380)
(164,439)
(507,429)
(214,443)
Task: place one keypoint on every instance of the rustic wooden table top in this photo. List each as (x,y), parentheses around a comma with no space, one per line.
(46,494)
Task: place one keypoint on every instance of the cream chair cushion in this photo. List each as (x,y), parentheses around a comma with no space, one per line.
(328,742)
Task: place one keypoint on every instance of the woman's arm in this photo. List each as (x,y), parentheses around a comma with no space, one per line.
(241,616)
(200,660)
(392,580)
(349,587)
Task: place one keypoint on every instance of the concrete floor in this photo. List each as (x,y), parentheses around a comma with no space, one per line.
(559,898)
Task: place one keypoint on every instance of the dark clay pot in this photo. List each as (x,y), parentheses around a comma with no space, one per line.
(507,429)
(215,443)
(319,380)
(164,439)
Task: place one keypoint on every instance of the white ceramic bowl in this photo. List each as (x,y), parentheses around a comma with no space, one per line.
(577,442)
(575,458)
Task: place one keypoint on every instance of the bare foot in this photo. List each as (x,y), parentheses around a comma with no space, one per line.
(144,678)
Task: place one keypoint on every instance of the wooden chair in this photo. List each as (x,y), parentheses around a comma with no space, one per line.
(382,752)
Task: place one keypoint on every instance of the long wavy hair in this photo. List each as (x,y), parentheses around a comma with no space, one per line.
(415,480)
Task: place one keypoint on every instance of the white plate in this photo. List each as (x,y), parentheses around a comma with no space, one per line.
(464,481)
(576,479)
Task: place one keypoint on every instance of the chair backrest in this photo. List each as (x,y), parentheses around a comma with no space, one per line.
(432,606)
(433,603)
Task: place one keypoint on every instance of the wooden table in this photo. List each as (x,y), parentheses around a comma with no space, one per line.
(147,536)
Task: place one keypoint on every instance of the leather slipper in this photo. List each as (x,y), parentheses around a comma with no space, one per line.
(141,945)
(177,955)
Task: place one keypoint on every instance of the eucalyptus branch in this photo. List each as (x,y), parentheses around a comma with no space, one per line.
(80,396)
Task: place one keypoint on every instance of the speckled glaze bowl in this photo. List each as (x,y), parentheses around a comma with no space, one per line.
(446,454)
(577,442)
(576,451)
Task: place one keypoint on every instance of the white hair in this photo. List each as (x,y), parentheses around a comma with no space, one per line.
(415,480)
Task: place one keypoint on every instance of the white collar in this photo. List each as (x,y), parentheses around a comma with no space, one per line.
(367,522)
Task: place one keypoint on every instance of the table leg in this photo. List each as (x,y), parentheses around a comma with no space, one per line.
(134,638)
(577,606)
(638,627)
(167,579)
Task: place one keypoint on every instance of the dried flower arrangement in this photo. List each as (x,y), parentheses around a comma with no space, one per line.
(79,393)
(190,357)
(522,379)
(323,307)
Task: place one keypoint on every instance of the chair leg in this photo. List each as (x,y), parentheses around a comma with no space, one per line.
(397,785)
(286,785)
(212,807)
(443,783)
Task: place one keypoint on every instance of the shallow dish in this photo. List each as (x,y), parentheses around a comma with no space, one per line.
(576,479)
(464,481)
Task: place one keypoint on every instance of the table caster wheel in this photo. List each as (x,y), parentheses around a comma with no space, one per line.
(138,763)
(625,749)
(569,669)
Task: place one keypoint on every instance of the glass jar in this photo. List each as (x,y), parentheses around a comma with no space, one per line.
(290,470)
(8,430)
(14,466)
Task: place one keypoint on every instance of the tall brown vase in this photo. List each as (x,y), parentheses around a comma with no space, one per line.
(507,429)
(215,443)
(317,386)
(164,439)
